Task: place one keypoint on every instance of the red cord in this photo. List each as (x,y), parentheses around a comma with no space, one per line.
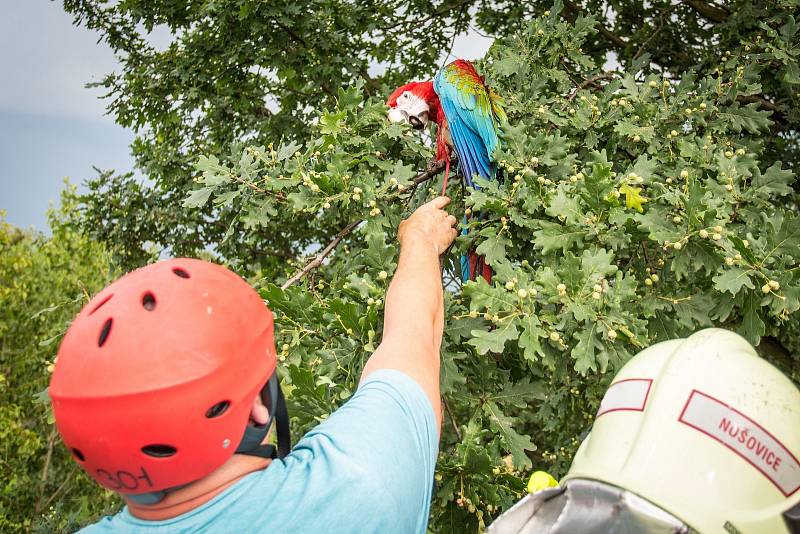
(446,175)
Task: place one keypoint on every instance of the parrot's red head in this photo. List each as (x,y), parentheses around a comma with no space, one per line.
(415,103)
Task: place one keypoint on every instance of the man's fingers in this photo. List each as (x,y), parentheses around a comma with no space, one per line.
(439,202)
(451,220)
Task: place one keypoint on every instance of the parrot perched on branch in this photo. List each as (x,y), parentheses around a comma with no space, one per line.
(467,114)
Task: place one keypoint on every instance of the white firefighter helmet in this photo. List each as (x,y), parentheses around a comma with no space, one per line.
(696,434)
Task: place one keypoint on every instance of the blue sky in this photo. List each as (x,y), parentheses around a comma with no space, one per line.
(51,126)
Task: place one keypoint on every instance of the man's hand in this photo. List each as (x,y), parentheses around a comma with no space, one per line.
(429,224)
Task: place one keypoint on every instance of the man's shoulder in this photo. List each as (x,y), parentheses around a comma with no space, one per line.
(109,523)
(391,394)
(374,456)
(388,420)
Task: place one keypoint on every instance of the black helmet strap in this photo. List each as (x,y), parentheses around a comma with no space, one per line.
(273,399)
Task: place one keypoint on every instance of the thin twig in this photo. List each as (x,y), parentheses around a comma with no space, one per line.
(317,261)
(628,263)
(430,173)
(455,34)
(652,36)
(43,480)
(764,103)
(65,484)
(589,81)
(574,9)
(251,185)
(583,85)
(708,11)
(319,258)
(434,168)
(450,414)
(644,252)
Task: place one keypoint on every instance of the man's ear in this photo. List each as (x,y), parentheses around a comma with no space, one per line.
(259,413)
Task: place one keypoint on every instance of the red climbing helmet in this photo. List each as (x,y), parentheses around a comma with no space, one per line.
(157,375)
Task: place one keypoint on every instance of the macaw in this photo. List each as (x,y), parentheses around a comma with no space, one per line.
(467,113)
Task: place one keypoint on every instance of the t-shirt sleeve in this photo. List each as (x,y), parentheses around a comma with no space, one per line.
(388,432)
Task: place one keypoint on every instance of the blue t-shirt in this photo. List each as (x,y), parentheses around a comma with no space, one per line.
(367,468)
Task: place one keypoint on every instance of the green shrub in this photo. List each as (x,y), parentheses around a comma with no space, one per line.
(44,281)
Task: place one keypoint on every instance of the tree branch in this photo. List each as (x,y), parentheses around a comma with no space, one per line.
(649,39)
(455,34)
(372,84)
(319,258)
(583,85)
(452,419)
(296,38)
(763,103)
(55,494)
(43,479)
(317,261)
(758,99)
(707,11)
(614,38)
(589,81)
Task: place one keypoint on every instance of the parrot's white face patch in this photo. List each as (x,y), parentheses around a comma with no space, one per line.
(412,109)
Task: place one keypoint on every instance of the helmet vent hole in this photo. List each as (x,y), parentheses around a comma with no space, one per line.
(149,301)
(78,454)
(104,332)
(180,272)
(159,450)
(100,304)
(218,409)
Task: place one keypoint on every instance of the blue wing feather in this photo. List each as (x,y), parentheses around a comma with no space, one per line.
(477,120)
(473,130)
(472,157)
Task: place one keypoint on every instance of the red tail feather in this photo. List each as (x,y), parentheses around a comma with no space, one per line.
(477,266)
(446,176)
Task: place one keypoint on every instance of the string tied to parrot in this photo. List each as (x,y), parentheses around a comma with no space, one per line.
(468,115)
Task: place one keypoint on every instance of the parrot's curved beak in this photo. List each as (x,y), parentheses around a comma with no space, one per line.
(398,115)
(411,109)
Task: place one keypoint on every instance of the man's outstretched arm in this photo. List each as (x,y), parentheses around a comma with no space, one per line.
(414,316)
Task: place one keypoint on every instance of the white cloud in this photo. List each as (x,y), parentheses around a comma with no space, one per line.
(46,62)
(470,45)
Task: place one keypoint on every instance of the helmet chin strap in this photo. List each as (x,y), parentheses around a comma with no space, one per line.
(273,399)
(251,443)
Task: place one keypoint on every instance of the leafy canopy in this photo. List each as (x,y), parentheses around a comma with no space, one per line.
(632,208)
(636,204)
(259,71)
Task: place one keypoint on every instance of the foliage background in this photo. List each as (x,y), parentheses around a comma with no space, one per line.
(44,281)
(636,204)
